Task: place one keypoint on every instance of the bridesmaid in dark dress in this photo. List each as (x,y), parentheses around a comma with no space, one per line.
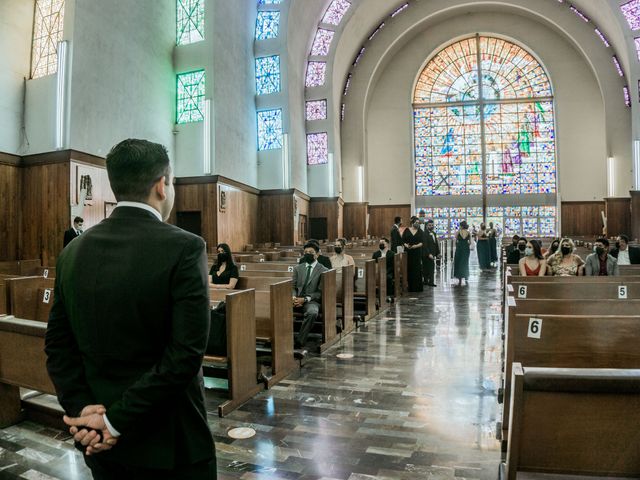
(461,258)
(225,273)
(483,248)
(413,238)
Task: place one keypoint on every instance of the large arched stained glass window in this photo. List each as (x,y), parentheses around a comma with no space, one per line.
(485,149)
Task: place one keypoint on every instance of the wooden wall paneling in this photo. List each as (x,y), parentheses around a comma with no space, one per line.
(301,210)
(381,218)
(355,219)
(581,218)
(330,208)
(634,228)
(11,188)
(618,212)
(237,224)
(277,218)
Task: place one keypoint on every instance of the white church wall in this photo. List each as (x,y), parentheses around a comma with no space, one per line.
(16,23)
(122,81)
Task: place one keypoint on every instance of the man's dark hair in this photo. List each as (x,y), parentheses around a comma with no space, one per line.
(623,237)
(78,220)
(134,166)
(522,239)
(430,220)
(313,245)
(603,241)
(385,239)
(397,220)
(515,237)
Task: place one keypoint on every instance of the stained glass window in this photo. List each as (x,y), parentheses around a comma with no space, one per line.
(267,25)
(485,140)
(316,72)
(190,97)
(267,75)
(336,11)
(190,21)
(317,148)
(631,11)
(322,42)
(603,38)
(269,129)
(316,110)
(269,2)
(637,43)
(399,10)
(47,32)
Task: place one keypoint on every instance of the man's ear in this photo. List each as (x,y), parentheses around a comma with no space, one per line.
(159,188)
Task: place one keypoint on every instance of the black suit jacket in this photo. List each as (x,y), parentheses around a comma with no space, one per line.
(390,254)
(128,329)
(396,238)
(68,236)
(322,260)
(431,245)
(634,254)
(514,256)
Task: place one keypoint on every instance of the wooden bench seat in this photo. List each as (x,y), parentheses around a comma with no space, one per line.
(20,267)
(30,297)
(574,422)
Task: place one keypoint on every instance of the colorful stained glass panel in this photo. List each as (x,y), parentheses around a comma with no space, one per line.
(322,42)
(190,97)
(316,110)
(267,25)
(336,11)
(269,129)
(317,148)
(189,21)
(267,75)
(631,11)
(316,73)
(48,24)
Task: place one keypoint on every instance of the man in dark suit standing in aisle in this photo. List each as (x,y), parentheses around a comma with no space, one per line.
(384,252)
(73,232)
(128,330)
(307,291)
(430,251)
(396,237)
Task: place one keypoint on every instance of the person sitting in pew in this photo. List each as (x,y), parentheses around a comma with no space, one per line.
(385,252)
(224,274)
(565,263)
(322,259)
(513,246)
(533,263)
(553,248)
(600,263)
(517,253)
(340,259)
(625,254)
(307,291)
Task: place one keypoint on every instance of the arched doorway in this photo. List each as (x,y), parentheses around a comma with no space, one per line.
(485,149)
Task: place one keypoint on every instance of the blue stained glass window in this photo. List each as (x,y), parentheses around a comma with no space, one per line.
(189,21)
(269,129)
(190,97)
(269,2)
(267,75)
(267,25)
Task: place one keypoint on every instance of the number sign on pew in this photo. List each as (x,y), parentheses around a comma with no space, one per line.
(290,268)
(622,292)
(46,297)
(361,273)
(522,291)
(243,268)
(535,328)
(45,273)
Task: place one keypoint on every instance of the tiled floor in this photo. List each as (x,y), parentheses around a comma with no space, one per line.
(417,401)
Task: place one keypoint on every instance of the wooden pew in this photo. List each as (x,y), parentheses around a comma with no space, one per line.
(327,308)
(30,298)
(574,421)
(22,364)
(381,283)
(365,289)
(274,324)
(606,288)
(20,267)
(240,362)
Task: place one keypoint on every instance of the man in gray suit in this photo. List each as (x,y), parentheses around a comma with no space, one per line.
(600,263)
(307,291)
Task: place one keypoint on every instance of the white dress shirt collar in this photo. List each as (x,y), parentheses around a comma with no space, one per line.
(623,257)
(141,205)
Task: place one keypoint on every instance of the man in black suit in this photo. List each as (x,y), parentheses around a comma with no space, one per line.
(396,238)
(624,253)
(307,291)
(322,259)
(514,245)
(128,329)
(383,251)
(515,254)
(430,251)
(73,232)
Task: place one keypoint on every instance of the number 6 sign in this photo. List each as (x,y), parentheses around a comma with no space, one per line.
(535,328)
(522,291)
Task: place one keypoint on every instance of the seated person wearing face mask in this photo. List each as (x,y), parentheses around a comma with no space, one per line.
(517,253)
(224,274)
(564,262)
(533,263)
(626,254)
(307,293)
(553,248)
(600,263)
(340,258)
(322,259)
(385,252)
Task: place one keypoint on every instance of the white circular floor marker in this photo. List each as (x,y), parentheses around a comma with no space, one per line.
(241,433)
(345,355)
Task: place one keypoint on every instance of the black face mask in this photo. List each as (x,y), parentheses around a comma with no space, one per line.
(599,250)
(522,247)
(309,258)
(222,257)
(565,250)
(381,246)
(338,250)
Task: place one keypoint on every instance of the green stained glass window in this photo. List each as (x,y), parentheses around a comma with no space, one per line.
(190,97)
(267,75)
(189,21)
(267,25)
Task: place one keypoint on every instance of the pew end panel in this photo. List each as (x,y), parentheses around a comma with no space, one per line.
(345,297)
(26,294)
(328,310)
(381,283)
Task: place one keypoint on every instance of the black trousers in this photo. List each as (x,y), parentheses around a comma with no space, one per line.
(428,270)
(102,469)
(310,311)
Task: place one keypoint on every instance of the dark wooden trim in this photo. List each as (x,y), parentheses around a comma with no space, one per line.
(88,158)
(338,200)
(581,202)
(395,205)
(216,179)
(47,158)
(356,203)
(287,191)
(10,159)
(302,195)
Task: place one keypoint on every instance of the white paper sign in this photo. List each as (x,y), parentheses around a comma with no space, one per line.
(45,273)
(622,292)
(243,268)
(361,273)
(290,268)
(47,295)
(509,288)
(535,328)
(261,260)
(522,291)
